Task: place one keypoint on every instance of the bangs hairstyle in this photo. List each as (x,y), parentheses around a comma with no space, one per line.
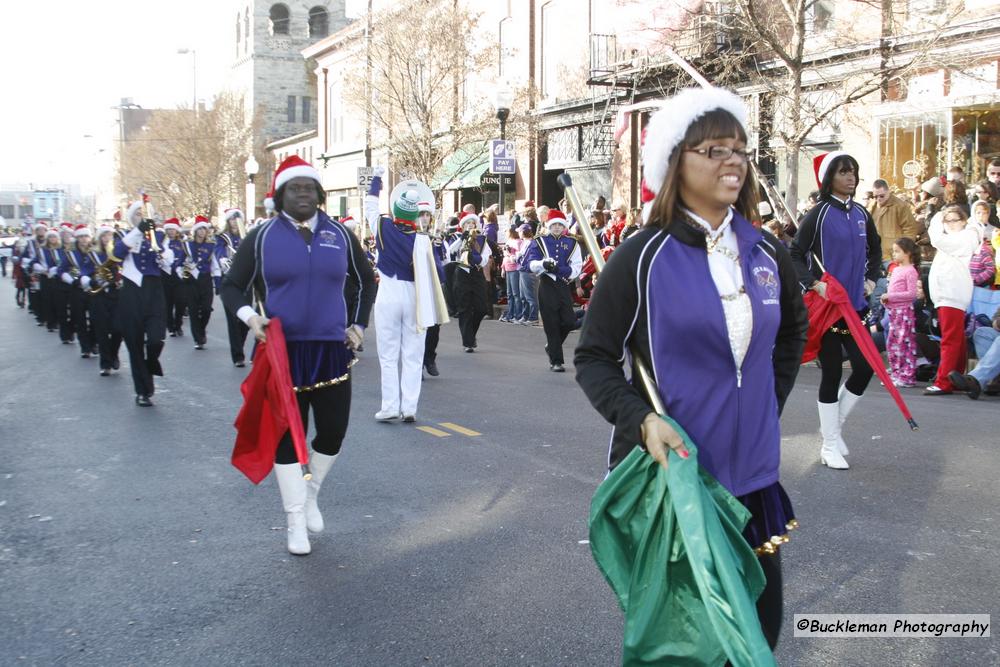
(826,188)
(279,196)
(910,247)
(716,124)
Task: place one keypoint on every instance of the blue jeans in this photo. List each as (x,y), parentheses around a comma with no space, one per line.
(529,294)
(515,305)
(988,350)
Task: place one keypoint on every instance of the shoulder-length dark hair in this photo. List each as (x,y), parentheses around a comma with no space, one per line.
(826,188)
(279,196)
(717,124)
(910,247)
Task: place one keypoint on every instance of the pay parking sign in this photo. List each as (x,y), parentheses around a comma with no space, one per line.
(502,157)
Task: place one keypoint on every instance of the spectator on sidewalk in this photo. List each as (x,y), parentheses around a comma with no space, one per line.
(901,342)
(987,342)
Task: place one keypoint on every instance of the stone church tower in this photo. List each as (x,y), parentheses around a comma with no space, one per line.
(267,38)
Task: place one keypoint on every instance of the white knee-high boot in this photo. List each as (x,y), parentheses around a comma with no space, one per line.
(319,466)
(293,497)
(847,401)
(829,426)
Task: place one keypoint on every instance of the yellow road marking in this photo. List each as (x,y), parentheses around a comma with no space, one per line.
(459,429)
(434,431)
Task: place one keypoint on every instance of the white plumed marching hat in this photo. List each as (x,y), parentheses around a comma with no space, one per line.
(231,212)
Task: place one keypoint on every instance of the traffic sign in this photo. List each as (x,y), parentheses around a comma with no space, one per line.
(502,156)
(365,176)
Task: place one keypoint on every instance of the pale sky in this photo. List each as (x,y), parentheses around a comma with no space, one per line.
(65,63)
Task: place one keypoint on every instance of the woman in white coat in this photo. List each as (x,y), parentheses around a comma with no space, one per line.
(951,289)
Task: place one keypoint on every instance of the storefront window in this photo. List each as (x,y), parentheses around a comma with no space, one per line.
(975,140)
(913,148)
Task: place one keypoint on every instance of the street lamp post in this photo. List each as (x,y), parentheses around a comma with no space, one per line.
(194,76)
(502,103)
(251,167)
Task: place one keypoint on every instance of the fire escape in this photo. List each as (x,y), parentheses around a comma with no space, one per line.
(612,85)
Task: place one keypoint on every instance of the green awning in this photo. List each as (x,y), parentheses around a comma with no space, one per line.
(464,168)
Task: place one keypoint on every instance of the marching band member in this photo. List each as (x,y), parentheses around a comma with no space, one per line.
(60,290)
(29,258)
(197,270)
(556,259)
(104,300)
(77,270)
(474,252)
(173,290)
(46,267)
(141,305)
(409,298)
(314,268)
(226,245)
(712,307)
(433,335)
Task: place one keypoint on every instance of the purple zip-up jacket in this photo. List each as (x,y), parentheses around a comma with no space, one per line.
(656,301)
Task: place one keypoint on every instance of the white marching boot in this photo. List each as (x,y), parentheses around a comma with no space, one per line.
(293,497)
(319,465)
(829,427)
(847,400)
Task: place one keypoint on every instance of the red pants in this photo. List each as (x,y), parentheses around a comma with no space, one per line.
(953,352)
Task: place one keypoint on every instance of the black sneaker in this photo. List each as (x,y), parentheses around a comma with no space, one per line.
(239,364)
(557,368)
(143,401)
(967,383)
(105,372)
(432,369)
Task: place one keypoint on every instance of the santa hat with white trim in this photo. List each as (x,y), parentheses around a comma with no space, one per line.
(39,225)
(468,217)
(172,223)
(349,222)
(556,217)
(821,164)
(52,232)
(82,230)
(231,212)
(293,167)
(68,227)
(104,227)
(668,125)
(200,221)
(425,207)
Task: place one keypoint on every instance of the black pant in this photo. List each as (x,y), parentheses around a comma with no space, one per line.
(199,292)
(431,339)
(79,308)
(140,316)
(237,336)
(103,309)
(555,305)
(770,604)
(61,302)
(449,287)
(470,299)
(831,358)
(331,408)
(45,303)
(174,297)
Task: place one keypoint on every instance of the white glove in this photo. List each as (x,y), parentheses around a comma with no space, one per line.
(869,287)
(85,282)
(379,171)
(53,271)
(26,263)
(355,336)
(536,266)
(224,264)
(820,288)
(257,325)
(66,278)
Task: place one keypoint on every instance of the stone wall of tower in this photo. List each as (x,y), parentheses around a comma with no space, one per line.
(268,68)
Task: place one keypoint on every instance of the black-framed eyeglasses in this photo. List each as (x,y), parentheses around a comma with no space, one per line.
(720,152)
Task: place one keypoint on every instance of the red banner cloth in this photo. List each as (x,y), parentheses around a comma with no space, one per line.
(269,410)
(824,313)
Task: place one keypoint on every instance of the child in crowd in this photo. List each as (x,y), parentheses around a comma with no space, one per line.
(902,343)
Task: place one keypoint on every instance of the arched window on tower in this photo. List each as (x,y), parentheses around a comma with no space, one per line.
(319,23)
(279,19)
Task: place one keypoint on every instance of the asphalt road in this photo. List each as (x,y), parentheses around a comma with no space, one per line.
(127,538)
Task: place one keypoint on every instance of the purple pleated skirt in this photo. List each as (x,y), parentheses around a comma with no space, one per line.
(771,518)
(318,362)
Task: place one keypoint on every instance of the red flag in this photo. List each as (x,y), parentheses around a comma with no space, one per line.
(269,410)
(824,313)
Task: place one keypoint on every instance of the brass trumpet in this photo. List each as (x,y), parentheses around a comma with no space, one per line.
(104,273)
(463,255)
(147,214)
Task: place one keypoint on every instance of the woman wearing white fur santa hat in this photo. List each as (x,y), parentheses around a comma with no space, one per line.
(840,233)
(712,307)
(200,267)
(315,269)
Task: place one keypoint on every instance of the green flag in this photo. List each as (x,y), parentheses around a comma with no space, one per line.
(670,544)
